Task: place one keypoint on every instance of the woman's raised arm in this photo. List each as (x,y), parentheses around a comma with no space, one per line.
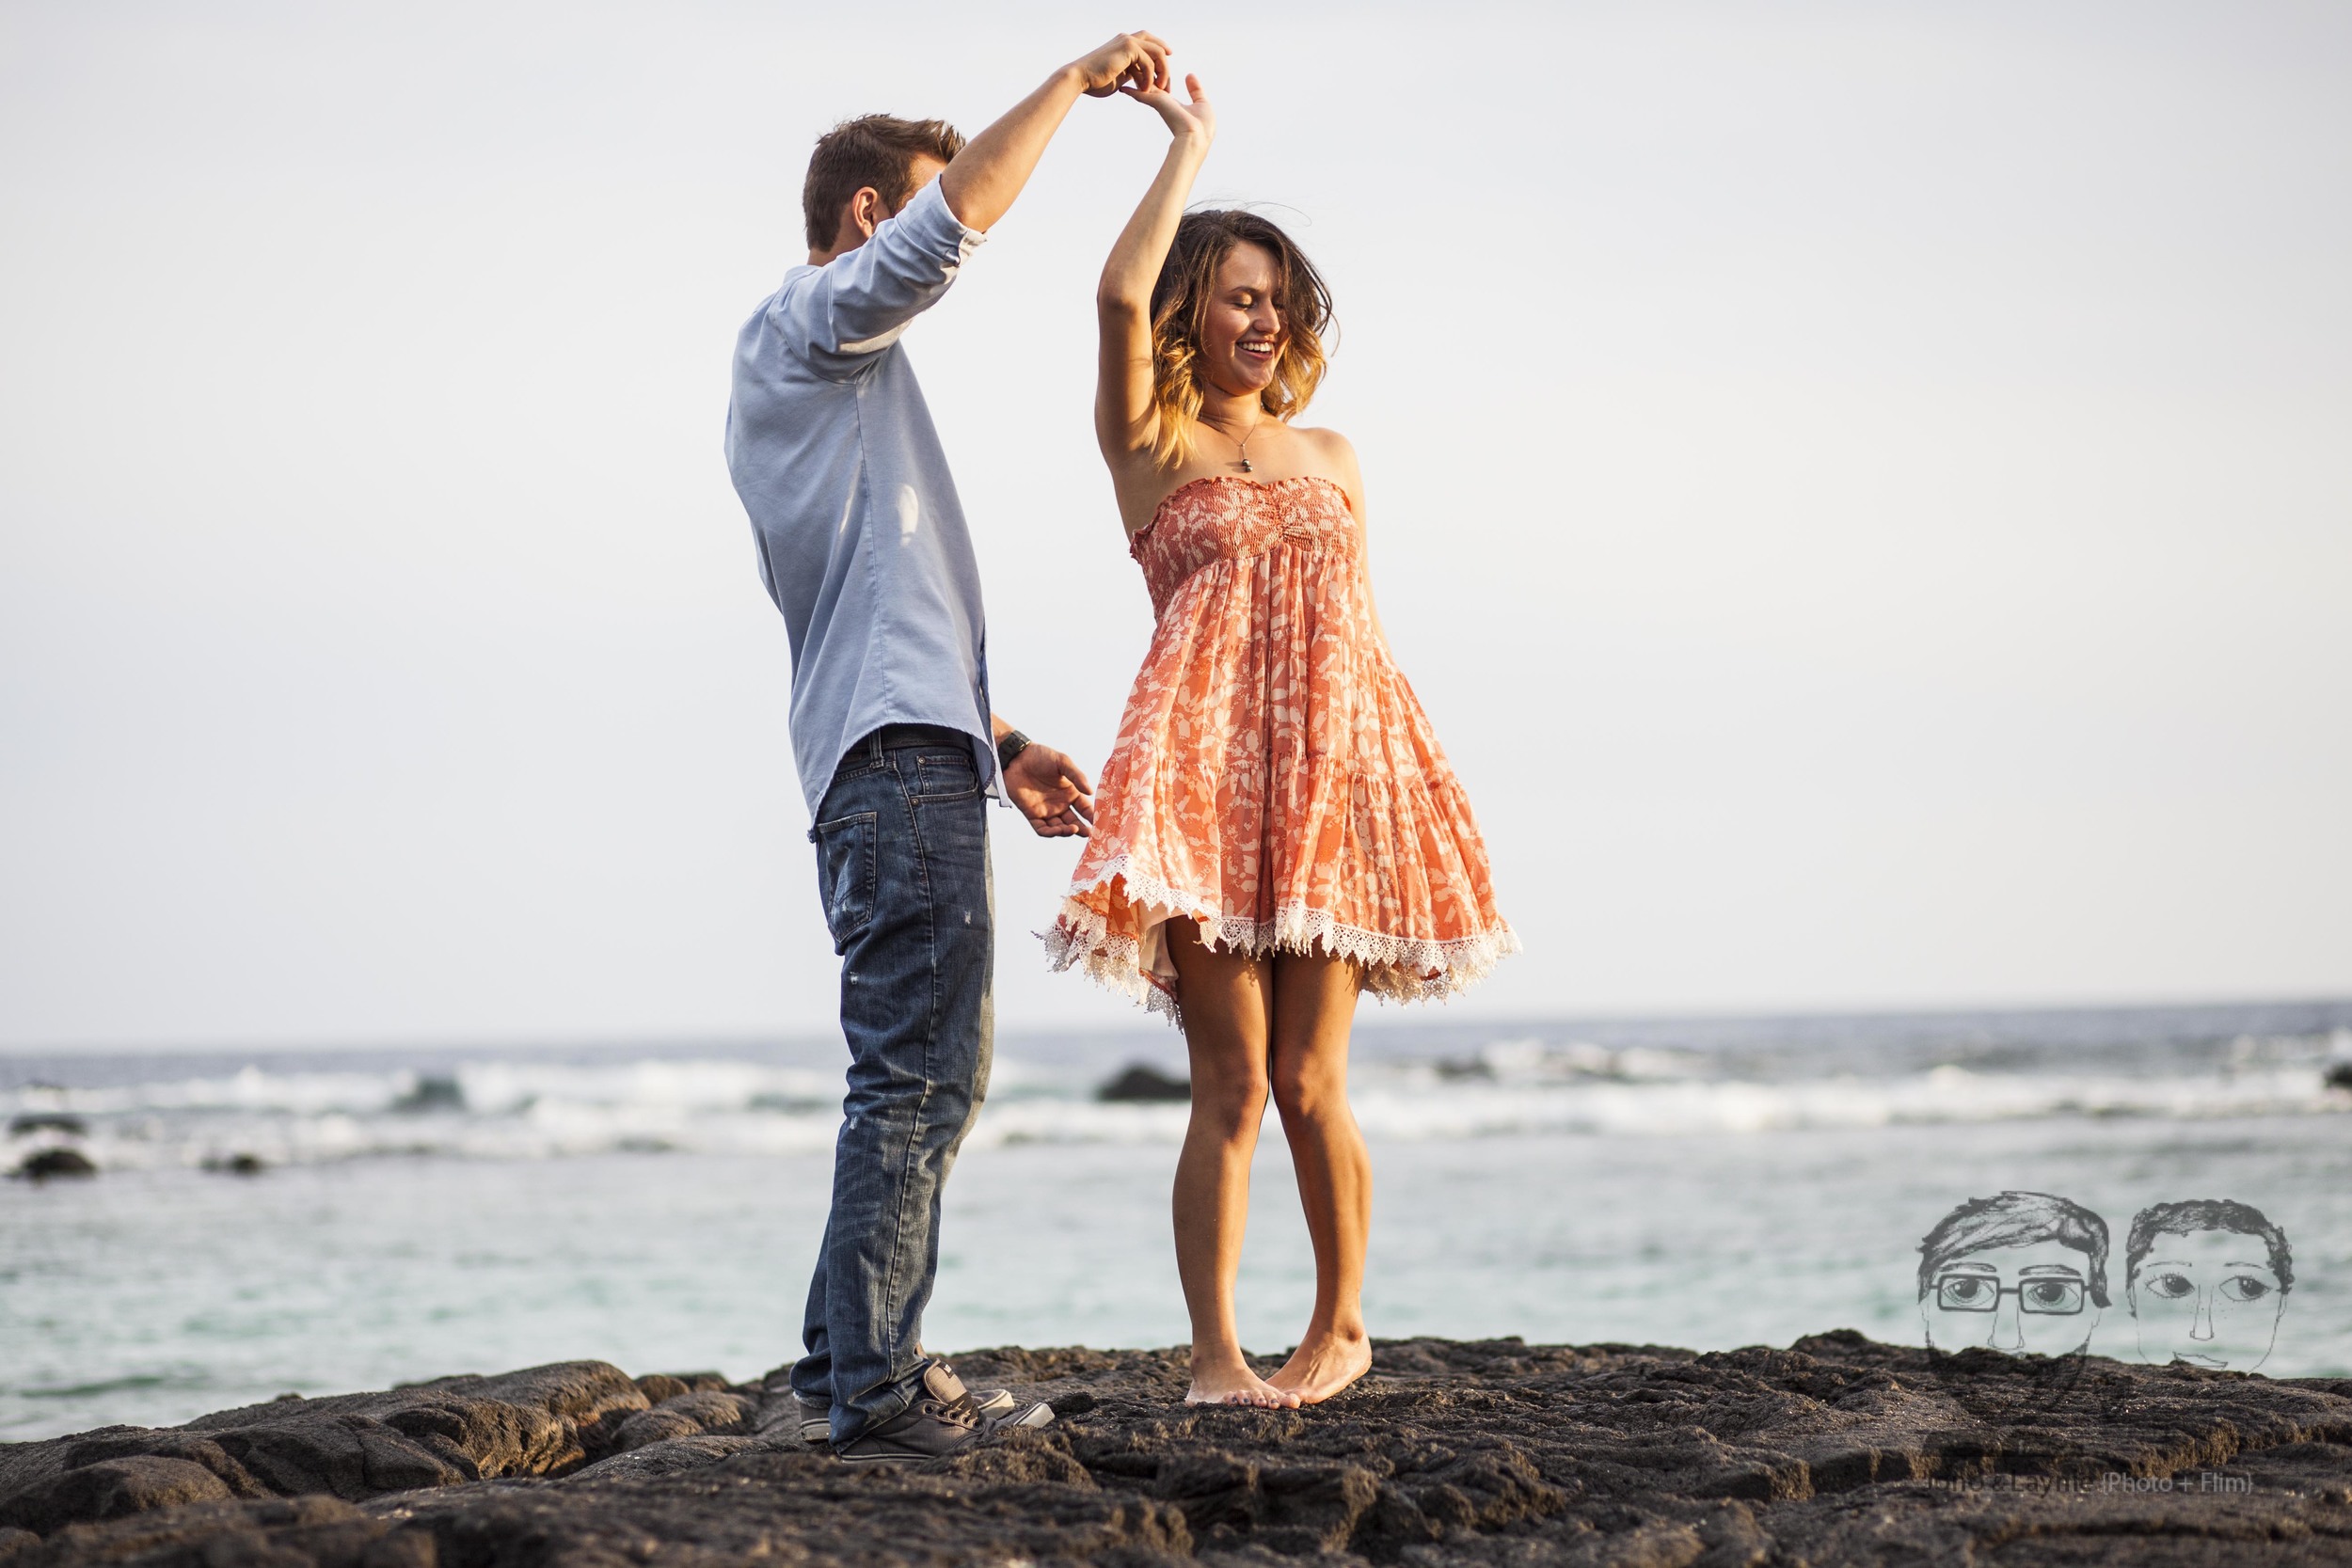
(1124,419)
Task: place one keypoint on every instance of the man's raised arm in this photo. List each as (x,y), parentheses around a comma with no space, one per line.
(895,265)
(859,302)
(982,182)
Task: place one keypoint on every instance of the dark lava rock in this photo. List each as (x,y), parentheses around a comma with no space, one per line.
(1836,1450)
(48,1122)
(1146,1083)
(56,1162)
(109,1488)
(687,1415)
(433,1093)
(454,1430)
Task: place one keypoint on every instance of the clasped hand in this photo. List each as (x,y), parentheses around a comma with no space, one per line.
(1131,61)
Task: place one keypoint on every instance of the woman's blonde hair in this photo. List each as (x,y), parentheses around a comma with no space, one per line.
(1180,303)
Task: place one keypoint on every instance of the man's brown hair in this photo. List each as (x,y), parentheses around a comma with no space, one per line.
(873,150)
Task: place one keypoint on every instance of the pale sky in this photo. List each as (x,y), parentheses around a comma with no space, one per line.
(1864,491)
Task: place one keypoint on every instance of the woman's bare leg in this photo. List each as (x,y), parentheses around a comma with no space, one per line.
(1314,1007)
(1226,1011)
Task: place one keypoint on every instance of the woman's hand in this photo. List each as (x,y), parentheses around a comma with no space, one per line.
(1194,121)
(1050,791)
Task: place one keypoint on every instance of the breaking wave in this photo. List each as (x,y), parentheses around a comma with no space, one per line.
(521,1107)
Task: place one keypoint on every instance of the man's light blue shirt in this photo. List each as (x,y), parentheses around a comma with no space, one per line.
(862,541)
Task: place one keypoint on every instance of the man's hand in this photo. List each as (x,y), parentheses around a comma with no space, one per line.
(1136,60)
(982,180)
(1051,791)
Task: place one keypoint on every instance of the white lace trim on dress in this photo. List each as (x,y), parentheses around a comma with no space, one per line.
(1400,969)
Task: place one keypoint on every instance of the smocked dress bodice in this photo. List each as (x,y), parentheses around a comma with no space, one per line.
(1214,520)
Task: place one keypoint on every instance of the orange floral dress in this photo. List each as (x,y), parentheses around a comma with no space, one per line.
(1274,779)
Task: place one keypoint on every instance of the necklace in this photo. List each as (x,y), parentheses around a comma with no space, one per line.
(1241,443)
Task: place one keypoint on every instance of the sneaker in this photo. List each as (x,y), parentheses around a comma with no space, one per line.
(994,1405)
(1037,1415)
(942,1420)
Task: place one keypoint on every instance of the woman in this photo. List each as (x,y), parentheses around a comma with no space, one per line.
(1277,828)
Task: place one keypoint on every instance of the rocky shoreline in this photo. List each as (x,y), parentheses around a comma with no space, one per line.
(1836,1450)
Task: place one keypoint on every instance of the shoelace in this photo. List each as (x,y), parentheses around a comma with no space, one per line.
(957,1412)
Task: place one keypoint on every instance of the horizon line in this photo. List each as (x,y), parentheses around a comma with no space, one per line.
(1375,1023)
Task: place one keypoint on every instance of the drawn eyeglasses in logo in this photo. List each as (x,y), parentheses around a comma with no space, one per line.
(2047,1295)
(2206,1279)
(2022,1274)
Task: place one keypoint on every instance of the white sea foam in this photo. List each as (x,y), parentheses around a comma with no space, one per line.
(520,1107)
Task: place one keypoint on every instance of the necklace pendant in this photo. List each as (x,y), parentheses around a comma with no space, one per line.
(1246,467)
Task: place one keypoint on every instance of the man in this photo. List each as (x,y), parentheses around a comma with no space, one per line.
(862,546)
(2206,1280)
(2023,1272)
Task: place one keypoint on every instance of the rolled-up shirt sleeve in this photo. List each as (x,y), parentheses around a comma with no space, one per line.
(857,304)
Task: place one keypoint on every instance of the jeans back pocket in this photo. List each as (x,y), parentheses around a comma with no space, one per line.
(845,875)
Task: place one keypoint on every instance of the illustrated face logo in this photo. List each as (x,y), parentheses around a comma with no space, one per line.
(2209,1298)
(2029,1299)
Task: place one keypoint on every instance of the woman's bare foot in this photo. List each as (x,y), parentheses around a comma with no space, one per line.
(1322,1364)
(1236,1384)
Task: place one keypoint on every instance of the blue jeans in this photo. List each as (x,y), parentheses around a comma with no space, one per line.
(902,863)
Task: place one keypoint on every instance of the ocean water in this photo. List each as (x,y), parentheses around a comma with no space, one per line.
(1705,1183)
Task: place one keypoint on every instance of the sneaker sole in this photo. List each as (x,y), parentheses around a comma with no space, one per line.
(997,1406)
(893,1458)
(1037,1415)
(1030,1417)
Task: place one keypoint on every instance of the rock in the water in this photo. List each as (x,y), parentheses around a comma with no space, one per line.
(48,1163)
(2339,1076)
(1146,1083)
(1836,1450)
(48,1122)
(435,1093)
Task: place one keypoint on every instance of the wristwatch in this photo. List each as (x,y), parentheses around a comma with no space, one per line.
(1009,746)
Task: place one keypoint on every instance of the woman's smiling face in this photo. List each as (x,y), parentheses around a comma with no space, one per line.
(1242,331)
(2208,1298)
